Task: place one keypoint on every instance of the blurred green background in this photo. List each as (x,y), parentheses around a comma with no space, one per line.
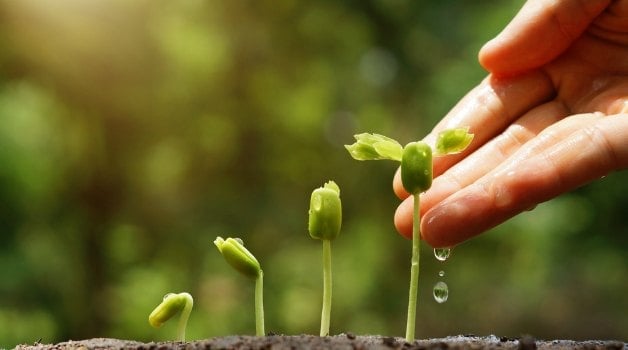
(132,133)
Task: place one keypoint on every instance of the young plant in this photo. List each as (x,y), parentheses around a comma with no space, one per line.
(232,249)
(416,177)
(170,306)
(325,218)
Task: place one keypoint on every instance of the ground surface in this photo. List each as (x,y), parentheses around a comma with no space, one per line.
(342,342)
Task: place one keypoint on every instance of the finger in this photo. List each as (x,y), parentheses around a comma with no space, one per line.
(492,155)
(495,155)
(487,110)
(586,154)
(398,186)
(610,98)
(545,140)
(494,152)
(612,25)
(540,32)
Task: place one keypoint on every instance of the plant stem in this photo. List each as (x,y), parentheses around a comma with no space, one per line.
(414,269)
(325,316)
(183,318)
(259,305)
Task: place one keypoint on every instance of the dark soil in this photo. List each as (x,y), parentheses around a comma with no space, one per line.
(343,342)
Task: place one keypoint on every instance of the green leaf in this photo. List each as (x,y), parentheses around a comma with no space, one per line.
(453,141)
(232,249)
(325,214)
(374,147)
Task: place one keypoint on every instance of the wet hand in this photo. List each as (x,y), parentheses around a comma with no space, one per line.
(551,116)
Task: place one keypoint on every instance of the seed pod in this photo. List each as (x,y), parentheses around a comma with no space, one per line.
(170,306)
(238,257)
(325,214)
(416,167)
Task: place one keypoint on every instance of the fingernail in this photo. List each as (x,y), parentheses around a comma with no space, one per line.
(457,218)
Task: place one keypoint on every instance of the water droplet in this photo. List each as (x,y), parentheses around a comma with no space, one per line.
(440,292)
(442,253)
(239,240)
(168,295)
(441,273)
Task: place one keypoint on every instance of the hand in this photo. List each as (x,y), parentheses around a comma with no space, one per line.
(551,116)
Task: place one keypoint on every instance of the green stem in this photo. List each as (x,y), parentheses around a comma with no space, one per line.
(414,269)
(259,305)
(325,316)
(183,318)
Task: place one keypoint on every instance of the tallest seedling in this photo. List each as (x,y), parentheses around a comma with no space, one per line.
(416,176)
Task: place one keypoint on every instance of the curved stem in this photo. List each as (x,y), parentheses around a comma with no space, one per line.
(185,314)
(414,269)
(259,305)
(326,313)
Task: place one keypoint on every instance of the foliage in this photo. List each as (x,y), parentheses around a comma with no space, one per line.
(134,132)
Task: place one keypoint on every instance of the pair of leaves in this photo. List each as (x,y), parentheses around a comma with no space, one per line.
(376,146)
(415,157)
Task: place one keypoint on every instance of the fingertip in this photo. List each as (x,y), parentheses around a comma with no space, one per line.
(493,57)
(457,218)
(501,57)
(403,218)
(432,231)
(517,48)
(485,54)
(400,192)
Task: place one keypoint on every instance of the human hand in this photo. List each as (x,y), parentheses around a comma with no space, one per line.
(551,116)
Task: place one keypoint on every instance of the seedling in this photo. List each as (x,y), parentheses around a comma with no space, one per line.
(325,218)
(170,306)
(416,177)
(232,249)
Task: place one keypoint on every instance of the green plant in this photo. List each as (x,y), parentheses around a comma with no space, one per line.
(325,218)
(170,306)
(234,252)
(416,176)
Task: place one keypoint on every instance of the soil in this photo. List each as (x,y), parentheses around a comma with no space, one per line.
(343,342)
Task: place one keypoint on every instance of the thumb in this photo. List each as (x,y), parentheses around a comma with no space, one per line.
(540,32)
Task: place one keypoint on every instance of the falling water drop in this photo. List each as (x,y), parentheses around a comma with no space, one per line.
(441,273)
(442,253)
(440,292)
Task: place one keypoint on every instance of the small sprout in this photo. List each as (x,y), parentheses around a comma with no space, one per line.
(170,306)
(416,177)
(374,147)
(325,218)
(232,249)
(453,141)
